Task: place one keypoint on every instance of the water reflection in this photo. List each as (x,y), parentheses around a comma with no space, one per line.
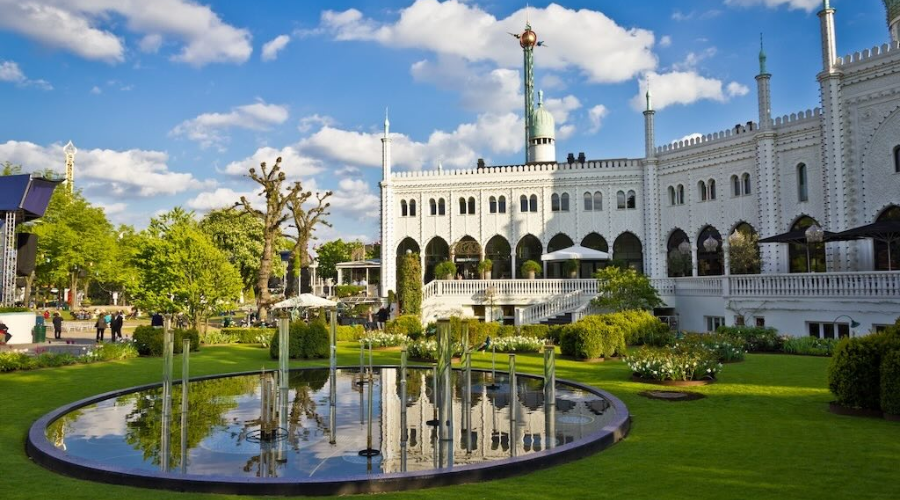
(325,425)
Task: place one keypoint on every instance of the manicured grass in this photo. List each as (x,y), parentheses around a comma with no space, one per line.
(763,431)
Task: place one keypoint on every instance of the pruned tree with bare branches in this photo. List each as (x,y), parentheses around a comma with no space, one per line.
(305,221)
(276,213)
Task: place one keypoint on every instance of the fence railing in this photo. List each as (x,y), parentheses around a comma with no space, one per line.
(828,285)
(556,305)
(507,288)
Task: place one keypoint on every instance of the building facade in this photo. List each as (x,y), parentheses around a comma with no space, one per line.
(676,213)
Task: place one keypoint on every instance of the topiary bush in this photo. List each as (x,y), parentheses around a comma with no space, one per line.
(445,269)
(149,340)
(890,383)
(408,324)
(591,337)
(854,376)
(304,340)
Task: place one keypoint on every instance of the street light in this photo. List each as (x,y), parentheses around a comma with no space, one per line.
(814,234)
(853,323)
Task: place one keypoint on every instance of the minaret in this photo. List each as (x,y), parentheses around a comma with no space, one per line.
(893,18)
(388,248)
(837,182)
(649,127)
(528,41)
(70,151)
(655,258)
(768,208)
(763,90)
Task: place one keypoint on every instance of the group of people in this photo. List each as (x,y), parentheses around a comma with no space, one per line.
(113,321)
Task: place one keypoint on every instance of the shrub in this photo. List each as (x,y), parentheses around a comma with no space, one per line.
(554,332)
(854,376)
(531,266)
(12,361)
(639,327)
(379,339)
(725,347)
(304,340)
(757,338)
(149,340)
(591,337)
(349,333)
(113,351)
(348,290)
(536,331)
(669,363)
(519,344)
(237,335)
(485,266)
(409,284)
(890,383)
(54,359)
(809,346)
(444,269)
(11,309)
(408,324)
(506,331)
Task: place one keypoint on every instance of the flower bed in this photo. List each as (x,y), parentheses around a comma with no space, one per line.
(726,347)
(427,350)
(683,363)
(518,344)
(21,360)
(380,339)
(810,346)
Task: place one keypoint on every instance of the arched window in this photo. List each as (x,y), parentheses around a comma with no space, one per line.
(564,202)
(620,200)
(746,182)
(887,251)
(897,159)
(554,202)
(711,186)
(632,199)
(588,202)
(672,195)
(532,203)
(501,205)
(492,205)
(442,207)
(412,208)
(471,205)
(701,186)
(462,206)
(598,201)
(804,257)
(432,205)
(735,186)
(802,185)
(523,203)
(403,210)
(681,194)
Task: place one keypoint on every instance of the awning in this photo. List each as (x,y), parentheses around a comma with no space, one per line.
(304,300)
(796,236)
(575,252)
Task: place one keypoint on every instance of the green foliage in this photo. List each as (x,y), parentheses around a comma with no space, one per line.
(409,284)
(348,290)
(239,236)
(571,266)
(725,347)
(11,309)
(237,335)
(591,337)
(308,341)
(485,266)
(427,350)
(149,340)
(679,263)
(332,253)
(408,325)
(54,360)
(639,327)
(349,333)
(666,363)
(518,344)
(180,269)
(531,266)
(445,270)
(620,289)
(536,331)
(757,338)
(890,383)
(855,371)
(810,346)
(744,252)
(12,361)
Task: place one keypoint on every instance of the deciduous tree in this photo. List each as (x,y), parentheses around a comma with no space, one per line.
(620,289)
(305,221)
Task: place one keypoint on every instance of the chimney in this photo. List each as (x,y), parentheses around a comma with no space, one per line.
(481,163)
(570,158)
(581,157)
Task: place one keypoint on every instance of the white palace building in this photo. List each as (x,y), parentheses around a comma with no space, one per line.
(836,168)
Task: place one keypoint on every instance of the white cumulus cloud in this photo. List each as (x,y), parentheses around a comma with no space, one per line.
(221,198)
(11,72)
(807,5)
(354,198)
(684,87)
(271,48)
(208,129)
(596,114)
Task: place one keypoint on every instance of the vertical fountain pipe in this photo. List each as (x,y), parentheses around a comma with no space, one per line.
(168,353)
(404,430)
(370,451)
(371,371)
(332,340)
(467,402)
(332,379)
(513,405)
(284,342)
(434,396)
(493,385)
(362,363)
(185,377)
(549,396)
(445,392)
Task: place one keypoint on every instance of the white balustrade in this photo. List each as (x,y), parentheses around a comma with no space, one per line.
(555,306)
(813,285)
(507,288)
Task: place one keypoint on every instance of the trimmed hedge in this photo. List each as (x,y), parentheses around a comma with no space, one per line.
(854,376)
(149,340)
(349,333)
(304,340)
(592,337)
(757,338)
(890,383)
(408,324)
(237,335)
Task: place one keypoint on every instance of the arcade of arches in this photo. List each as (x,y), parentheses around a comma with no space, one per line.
(710,252)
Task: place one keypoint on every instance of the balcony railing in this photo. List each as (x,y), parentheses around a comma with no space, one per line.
(557,305)
(508,288)
(819,285)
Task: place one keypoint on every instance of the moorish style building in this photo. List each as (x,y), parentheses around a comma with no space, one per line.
(675,213)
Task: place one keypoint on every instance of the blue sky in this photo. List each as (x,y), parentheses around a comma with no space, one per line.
(170,102)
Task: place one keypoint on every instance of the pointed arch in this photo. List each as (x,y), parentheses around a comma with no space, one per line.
(710,252)
(806,257)
(744,245)
(628,249)
(678,254)
(887,253)
(499,252)
(594,241)
(436,251)
(466,255)
(528,248)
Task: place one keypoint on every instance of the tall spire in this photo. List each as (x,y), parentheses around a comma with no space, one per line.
(762,56)
(387,123)
(649,102)
(528,41)
(829,44)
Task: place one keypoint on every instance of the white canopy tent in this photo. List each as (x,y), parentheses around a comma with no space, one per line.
(304,300)
(577,252)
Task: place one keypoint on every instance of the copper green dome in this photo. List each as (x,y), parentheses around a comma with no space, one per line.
(542,124)
(893,9)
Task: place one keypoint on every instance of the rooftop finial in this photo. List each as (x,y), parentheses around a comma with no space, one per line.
(762,56)
(387,123)
(649,104)
(540,97)
(826,5)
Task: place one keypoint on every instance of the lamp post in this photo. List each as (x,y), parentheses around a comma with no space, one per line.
(853,323)
(814,234)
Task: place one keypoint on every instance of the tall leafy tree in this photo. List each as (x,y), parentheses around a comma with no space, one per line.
(332,253)
(305,221)
(240,235)
(744,252)
(181,270)
(75,243)
(275,214)
(622,289)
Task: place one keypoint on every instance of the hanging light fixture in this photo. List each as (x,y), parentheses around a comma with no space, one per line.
(684,247)
(711,244)
(814,234)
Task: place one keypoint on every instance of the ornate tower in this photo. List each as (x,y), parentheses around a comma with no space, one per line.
(388,248)
(655,257)
(528,41)
(70,151)
(773,255)
(542,145)
(893,18)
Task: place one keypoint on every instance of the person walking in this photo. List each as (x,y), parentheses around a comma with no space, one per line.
(382,316)
(100,325)
(116,326)
(57,326)
(156,320)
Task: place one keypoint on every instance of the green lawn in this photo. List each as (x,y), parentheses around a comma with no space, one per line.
(762,432)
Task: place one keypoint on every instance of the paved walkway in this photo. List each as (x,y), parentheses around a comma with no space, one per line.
(74,341)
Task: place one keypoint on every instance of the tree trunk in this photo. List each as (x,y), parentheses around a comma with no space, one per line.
(73,290)
(28,282)
(262,283)
(299,259)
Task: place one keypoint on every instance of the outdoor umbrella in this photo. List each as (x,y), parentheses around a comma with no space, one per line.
(575,252)
(887,231)
(304,300)
(797,236)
